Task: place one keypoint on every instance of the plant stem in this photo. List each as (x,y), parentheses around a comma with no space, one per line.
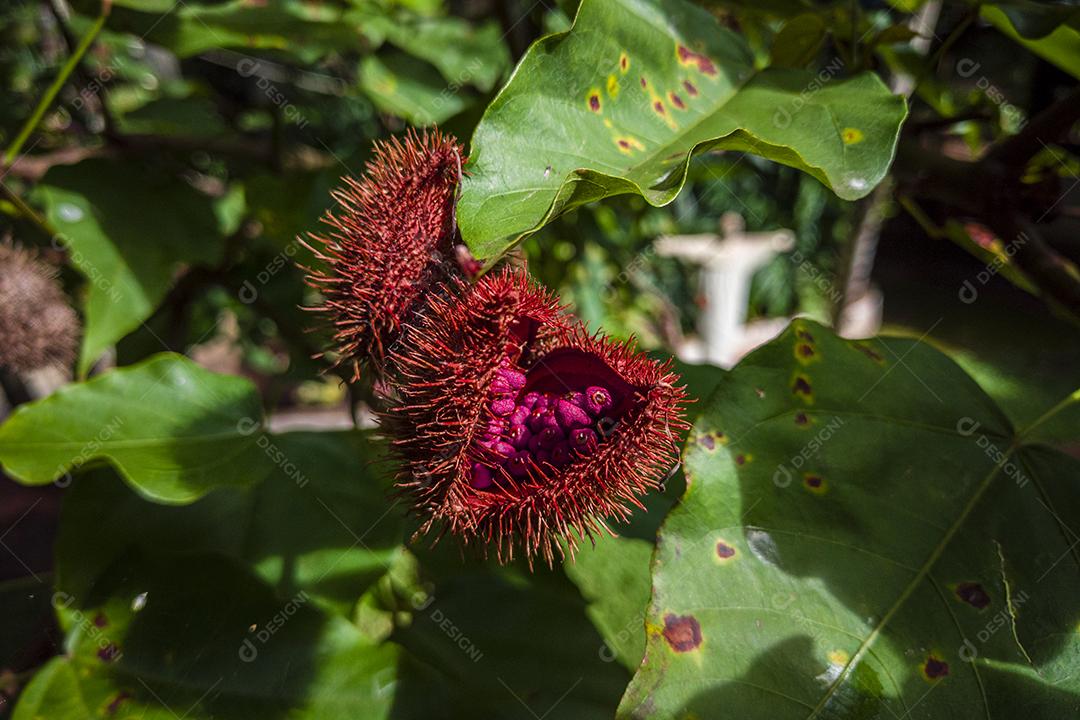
(28,212)
(50,94)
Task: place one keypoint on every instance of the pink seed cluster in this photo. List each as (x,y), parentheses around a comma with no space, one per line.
(528,430)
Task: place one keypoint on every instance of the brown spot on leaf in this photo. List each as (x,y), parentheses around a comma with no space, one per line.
(689,57)
(108,653)
(740,459)
(691,88)
(815,483)
(973,594)
(594,102)
(100,620)
(934,668)
(707,441)
(724,551)
(644,82)
(801,419)
(801,387)
(682,632)
(114,704)
(805,350)
(676,101)
(658,106)
(624,62)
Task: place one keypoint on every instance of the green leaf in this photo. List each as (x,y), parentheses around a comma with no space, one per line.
(798,41)
(512,644)
(410,88)
(305,30)
(201,638)
(864,534)
(1034,20)
(576,124)
(172,429)
(245,594)
(1060,47)
(465,55)
(319,522)
(613,577)
(127,228)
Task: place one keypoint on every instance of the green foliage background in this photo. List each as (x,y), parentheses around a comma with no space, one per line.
(175,548)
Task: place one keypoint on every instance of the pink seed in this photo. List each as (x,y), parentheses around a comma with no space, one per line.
(549,437)
(560,455)
(518,465)
(513,378)
(583,440)
(503,406)
(577,398)
(541,419)
(520,436)
(481,476)
(571,416)
(597,399)
(503,448)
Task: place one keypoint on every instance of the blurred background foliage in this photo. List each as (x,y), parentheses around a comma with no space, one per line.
(200,138)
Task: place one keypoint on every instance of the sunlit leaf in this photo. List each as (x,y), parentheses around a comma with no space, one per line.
(172,429)
(864,533)
(621,102)
(128,228)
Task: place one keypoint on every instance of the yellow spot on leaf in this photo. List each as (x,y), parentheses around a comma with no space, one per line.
(839,657)
(851,136)
(806,352)
(612,86)
(628,144)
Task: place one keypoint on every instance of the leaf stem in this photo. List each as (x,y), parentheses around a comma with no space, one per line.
(1073,397)
(28,212)
(50,94)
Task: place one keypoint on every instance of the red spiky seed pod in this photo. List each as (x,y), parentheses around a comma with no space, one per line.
(515,428)
(390,238)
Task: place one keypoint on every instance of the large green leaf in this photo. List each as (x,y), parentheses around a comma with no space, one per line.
(319,522)
(171,428)
(622,101)
(307,30)
(198,637)
(1060,46)
(127,228)
(1035,19)
(514,645)
(864,535)
(244,596)
(465,55)
(410,88)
